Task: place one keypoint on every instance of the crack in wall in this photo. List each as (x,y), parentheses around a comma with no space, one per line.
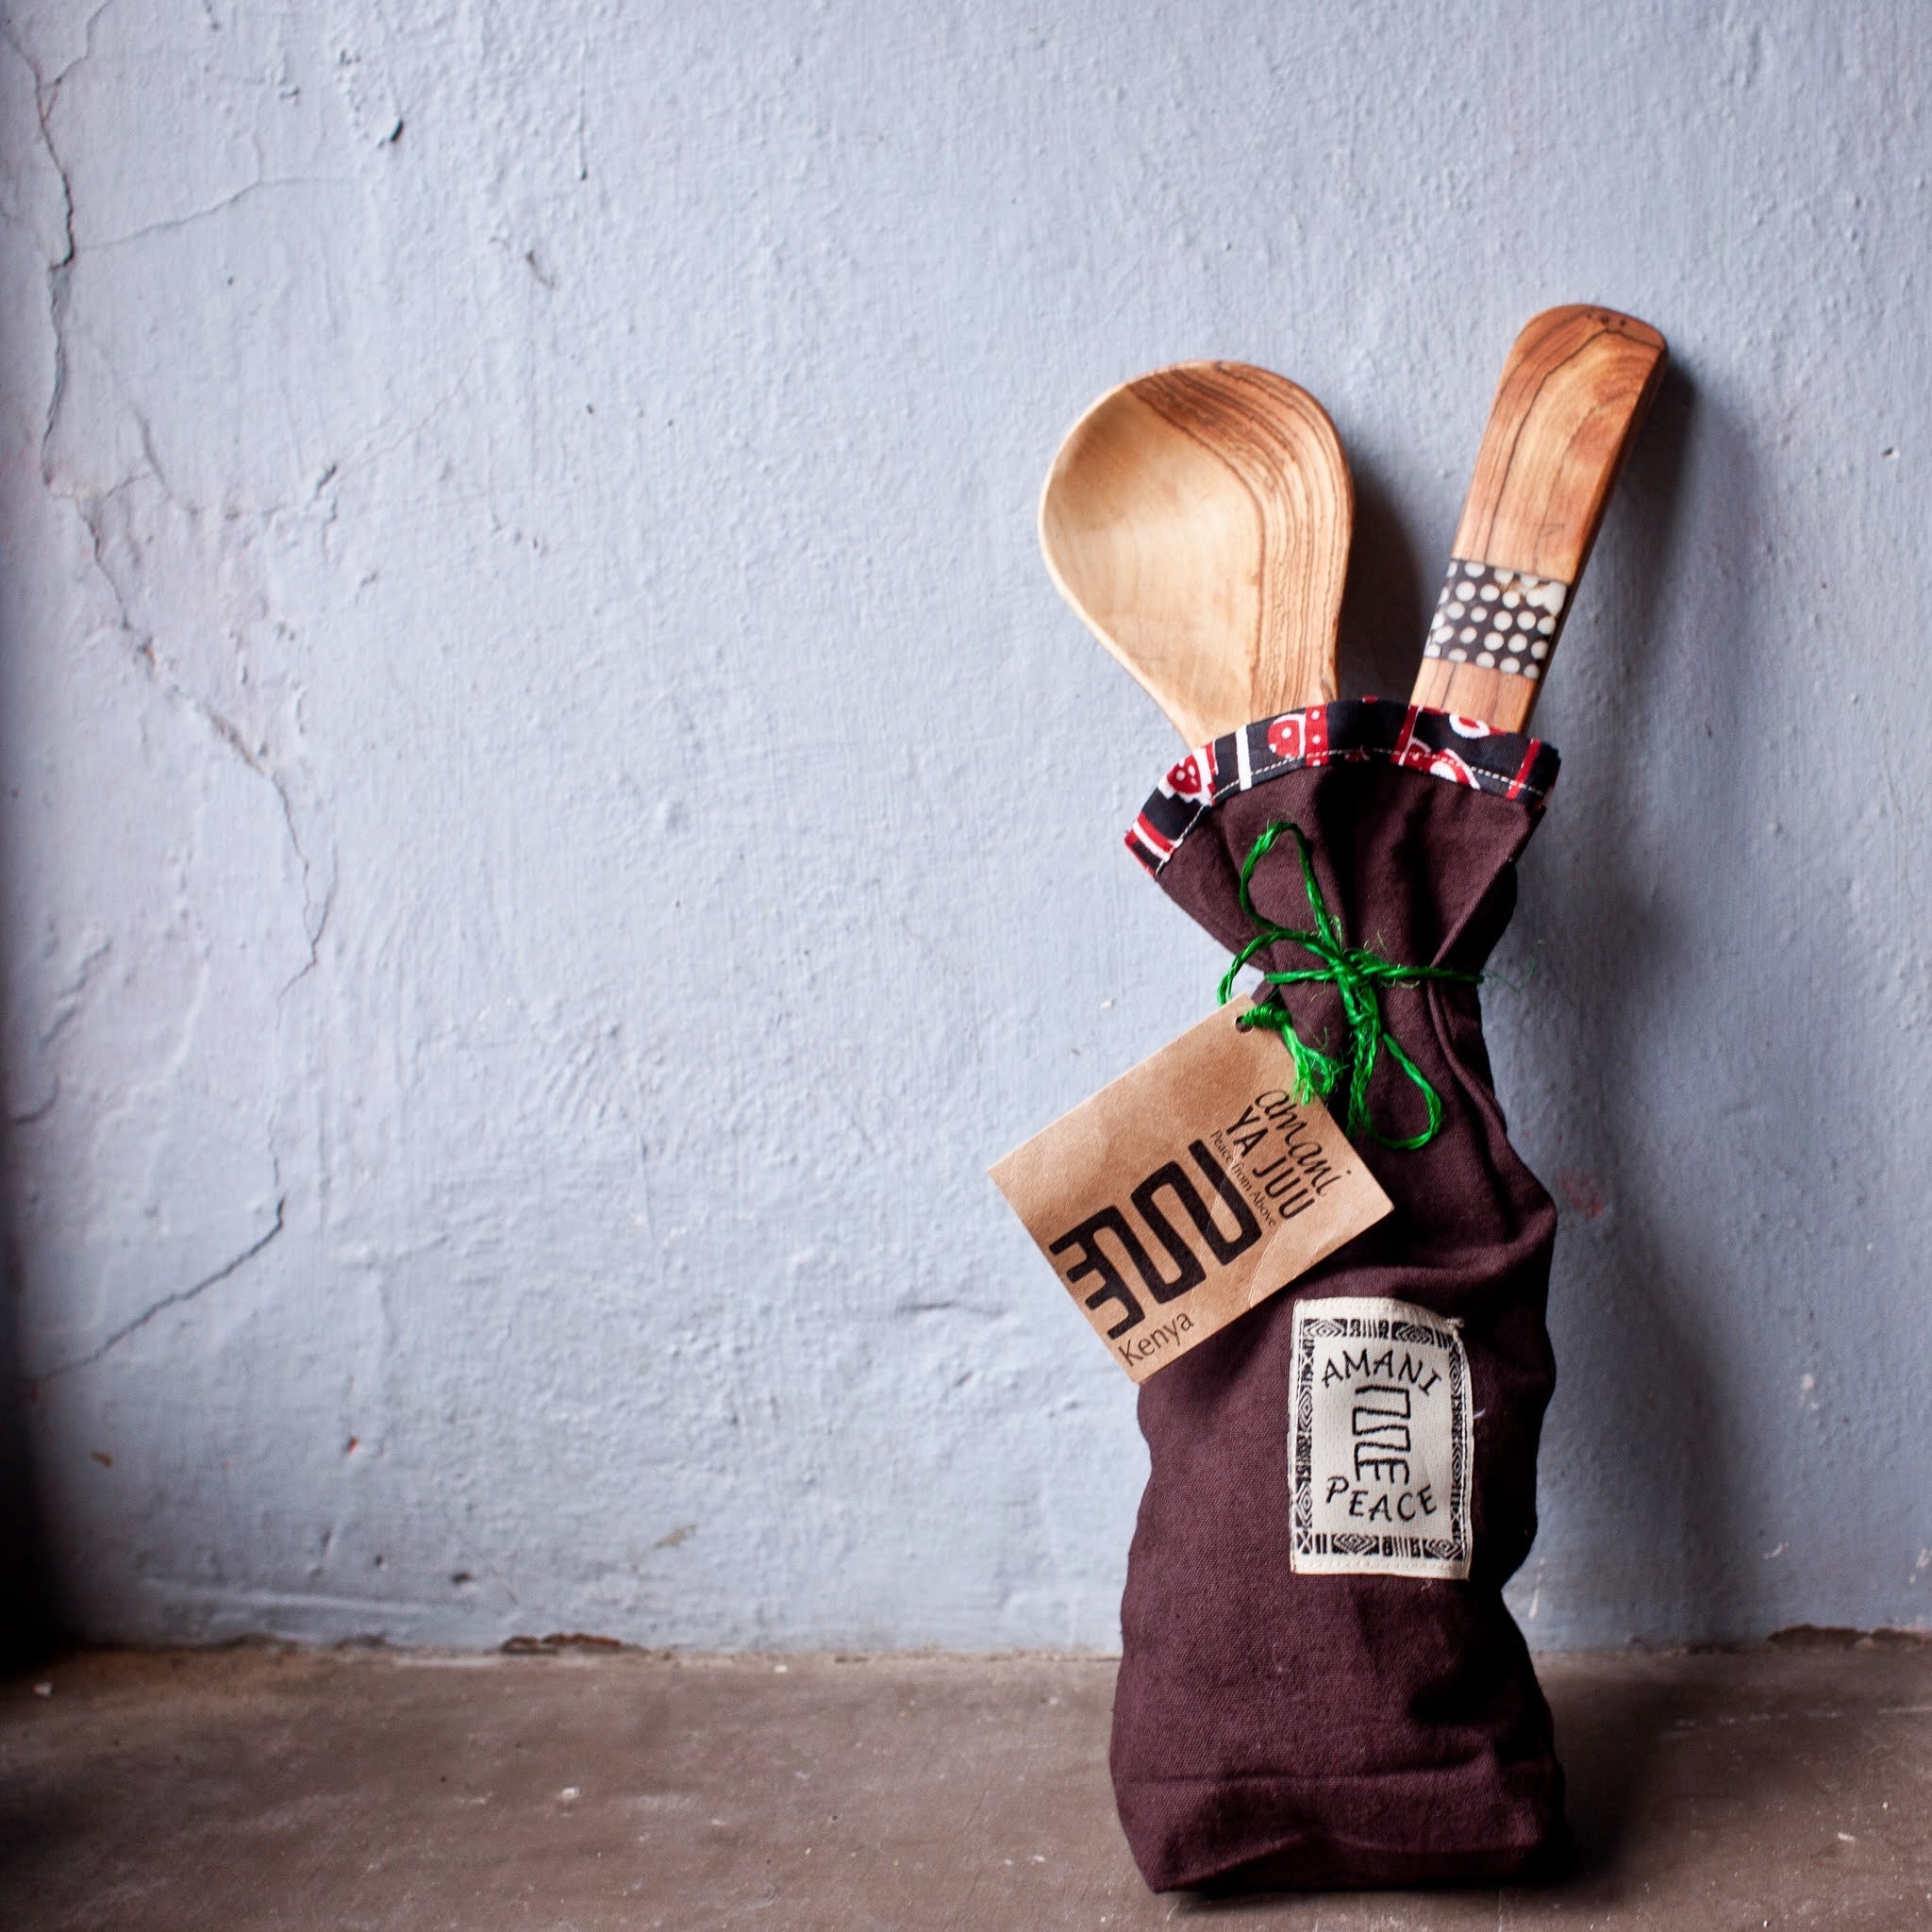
(59,271)
(92,509)
(228,1269)
(39,1110)
(172,224)
(69,998)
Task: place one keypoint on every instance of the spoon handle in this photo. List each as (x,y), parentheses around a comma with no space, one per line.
(1573,392)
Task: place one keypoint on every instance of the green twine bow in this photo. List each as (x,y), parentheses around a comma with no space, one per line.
(1358,976)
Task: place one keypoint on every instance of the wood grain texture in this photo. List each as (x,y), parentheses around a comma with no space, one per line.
(1198,519)
(1573,392)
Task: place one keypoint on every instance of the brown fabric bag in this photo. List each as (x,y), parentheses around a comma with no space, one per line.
(1277,1729)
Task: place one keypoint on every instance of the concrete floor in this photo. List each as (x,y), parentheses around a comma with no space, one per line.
(1782,1787)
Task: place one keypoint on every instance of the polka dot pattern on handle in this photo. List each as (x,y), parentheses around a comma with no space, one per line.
(1497,619)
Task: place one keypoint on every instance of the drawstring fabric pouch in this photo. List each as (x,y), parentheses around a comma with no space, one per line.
(1319,1684)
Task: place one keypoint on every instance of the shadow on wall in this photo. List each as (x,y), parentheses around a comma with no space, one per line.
(1653,1394)
(30,1619)
(1382,603)
(1633,1328)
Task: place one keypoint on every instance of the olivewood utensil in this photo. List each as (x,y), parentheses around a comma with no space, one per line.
(1574,391)
(1198,519)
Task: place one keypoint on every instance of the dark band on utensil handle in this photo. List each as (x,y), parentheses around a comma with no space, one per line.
(1497,619)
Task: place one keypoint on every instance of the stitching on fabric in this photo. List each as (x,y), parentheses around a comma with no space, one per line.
(1356,755)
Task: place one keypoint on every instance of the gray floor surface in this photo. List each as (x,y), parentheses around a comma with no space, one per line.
(1787,1786)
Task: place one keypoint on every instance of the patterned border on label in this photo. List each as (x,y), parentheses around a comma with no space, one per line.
(1372,1319)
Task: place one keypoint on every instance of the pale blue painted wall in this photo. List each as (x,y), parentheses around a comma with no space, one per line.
(554,820)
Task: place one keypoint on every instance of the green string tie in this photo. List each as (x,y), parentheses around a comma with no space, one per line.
(1358,976)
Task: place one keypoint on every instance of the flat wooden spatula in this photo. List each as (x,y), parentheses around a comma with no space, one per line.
(1573,392)
(1199,518)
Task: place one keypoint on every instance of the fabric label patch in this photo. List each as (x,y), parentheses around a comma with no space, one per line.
(1187,1191)
(1380,1441)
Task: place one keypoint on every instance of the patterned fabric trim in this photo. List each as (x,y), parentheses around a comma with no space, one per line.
(1501,619)
(1463,751)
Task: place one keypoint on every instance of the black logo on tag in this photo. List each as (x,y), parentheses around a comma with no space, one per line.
(1185,1269)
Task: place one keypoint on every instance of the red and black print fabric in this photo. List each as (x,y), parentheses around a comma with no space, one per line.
(1465,751)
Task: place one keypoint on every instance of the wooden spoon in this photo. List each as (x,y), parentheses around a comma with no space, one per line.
(1198,519)
(1573,392)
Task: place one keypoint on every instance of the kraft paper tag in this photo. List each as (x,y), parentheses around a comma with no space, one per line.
(1188,1191)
